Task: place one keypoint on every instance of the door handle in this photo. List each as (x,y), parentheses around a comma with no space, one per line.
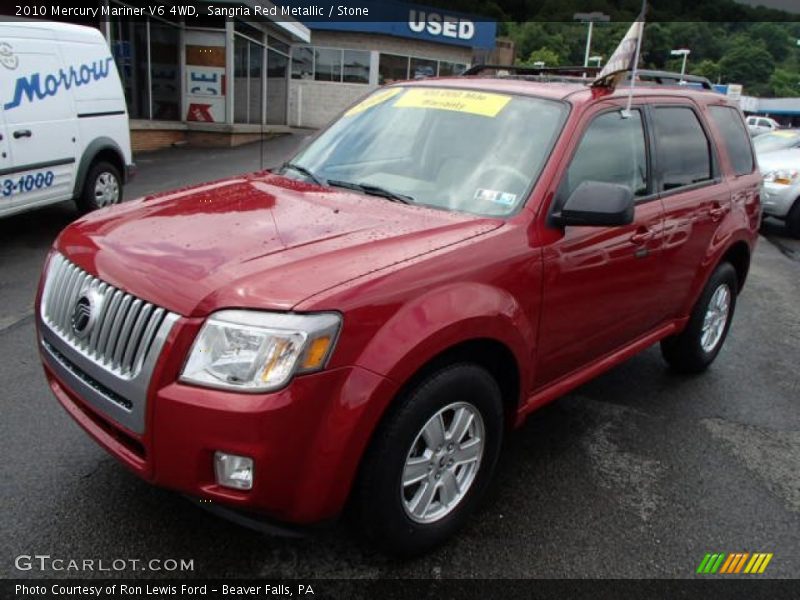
(717,212)
(21,133)
(642,237)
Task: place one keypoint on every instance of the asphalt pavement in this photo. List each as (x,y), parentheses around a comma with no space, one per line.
(638,473)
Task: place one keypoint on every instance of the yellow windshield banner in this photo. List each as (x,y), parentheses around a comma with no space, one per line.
(373,100)
(467,101)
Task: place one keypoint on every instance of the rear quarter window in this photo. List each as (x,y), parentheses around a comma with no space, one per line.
(734,137)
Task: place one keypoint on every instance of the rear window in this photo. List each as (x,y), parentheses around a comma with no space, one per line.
(735,138)
(684,152)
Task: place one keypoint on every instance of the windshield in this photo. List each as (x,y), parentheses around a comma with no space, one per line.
(455,149)
(778,140)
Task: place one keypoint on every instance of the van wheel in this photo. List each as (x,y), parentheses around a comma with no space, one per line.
(102,187)
(694,349)
(793,220)
(431,461)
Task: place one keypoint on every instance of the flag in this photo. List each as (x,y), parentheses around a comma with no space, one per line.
(626,55)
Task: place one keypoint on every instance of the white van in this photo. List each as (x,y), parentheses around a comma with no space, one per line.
(63,119)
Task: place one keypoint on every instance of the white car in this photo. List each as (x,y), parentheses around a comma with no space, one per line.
(63,119)
(759,125)
(780,196)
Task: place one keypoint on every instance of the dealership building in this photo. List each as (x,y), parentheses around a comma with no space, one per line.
(218,79)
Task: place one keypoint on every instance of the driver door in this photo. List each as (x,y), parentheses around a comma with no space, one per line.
(600,282)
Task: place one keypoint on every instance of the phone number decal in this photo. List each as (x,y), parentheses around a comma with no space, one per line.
(26,183)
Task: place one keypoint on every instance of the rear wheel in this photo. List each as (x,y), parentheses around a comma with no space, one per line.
(793,220)
(431,461)
(696,347)
(102,187)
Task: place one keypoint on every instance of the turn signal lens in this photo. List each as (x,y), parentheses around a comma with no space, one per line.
(316,353)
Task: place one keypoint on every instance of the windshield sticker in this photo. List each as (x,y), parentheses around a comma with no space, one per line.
(495,196)
(373,100)
(476,103)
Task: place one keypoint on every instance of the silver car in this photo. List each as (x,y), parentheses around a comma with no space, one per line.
(781,192)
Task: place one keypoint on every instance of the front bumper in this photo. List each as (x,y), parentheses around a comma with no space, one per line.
(777,200)
(306,440)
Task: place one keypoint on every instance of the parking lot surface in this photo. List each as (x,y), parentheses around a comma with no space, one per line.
(636,474)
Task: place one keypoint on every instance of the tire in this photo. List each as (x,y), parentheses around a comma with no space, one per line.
(102,187)
(691,351)
(793,220)
(384,507)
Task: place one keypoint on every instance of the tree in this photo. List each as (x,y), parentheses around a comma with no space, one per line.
(785,84)
(747,63)
(545,55)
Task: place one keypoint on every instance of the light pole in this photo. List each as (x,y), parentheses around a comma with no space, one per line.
(684,52)
(591,18)
(596,59)
(539,64)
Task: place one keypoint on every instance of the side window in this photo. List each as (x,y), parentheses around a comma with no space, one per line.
(763,123)
(735,138)
(684,152)
(612,150)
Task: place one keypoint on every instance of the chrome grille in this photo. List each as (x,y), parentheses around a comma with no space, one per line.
(124,326)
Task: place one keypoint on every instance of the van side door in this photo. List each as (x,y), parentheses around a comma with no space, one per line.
(40,120)
(5,160)
(695,196)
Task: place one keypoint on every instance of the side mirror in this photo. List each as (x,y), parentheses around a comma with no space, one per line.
(597,204)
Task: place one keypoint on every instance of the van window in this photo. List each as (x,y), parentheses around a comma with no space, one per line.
(612,150)
(684,152)
(735,138)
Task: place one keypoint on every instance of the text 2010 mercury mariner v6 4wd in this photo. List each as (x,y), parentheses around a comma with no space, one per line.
(362,326)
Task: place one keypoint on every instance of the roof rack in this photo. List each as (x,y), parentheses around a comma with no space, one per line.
(527,71)
(587,75)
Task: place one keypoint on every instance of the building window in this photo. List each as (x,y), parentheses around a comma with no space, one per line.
(330,64)
(327,64)
(277,86)
(391,68)
(447,69)
(302,62)
(356,66)
(248,80)
(147,55)
(422,68)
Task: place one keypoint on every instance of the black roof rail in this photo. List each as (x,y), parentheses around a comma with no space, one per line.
(525,70)
(670,78)
(576,74)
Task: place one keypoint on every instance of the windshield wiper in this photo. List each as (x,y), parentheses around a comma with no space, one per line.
(372,190)
(301,169)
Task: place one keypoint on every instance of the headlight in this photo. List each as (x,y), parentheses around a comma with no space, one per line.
(782,176)
(253,351)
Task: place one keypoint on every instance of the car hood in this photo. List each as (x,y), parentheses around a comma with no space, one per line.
(257,241)
(779,159)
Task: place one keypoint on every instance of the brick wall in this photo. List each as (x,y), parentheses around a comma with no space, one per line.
(144,140)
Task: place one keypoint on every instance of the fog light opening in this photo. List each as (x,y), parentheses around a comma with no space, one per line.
(233,471)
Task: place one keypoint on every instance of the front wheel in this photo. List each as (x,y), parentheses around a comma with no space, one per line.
(431,460)
(102,187)
(696,347)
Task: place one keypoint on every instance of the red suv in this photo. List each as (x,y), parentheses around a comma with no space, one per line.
(363,325)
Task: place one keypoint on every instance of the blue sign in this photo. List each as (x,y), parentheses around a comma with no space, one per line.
(406,20)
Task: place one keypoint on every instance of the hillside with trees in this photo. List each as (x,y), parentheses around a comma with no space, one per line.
(729,42)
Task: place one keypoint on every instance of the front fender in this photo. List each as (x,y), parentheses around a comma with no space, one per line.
(429,324)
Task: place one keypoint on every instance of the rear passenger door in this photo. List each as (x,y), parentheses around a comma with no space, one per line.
(695,198)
